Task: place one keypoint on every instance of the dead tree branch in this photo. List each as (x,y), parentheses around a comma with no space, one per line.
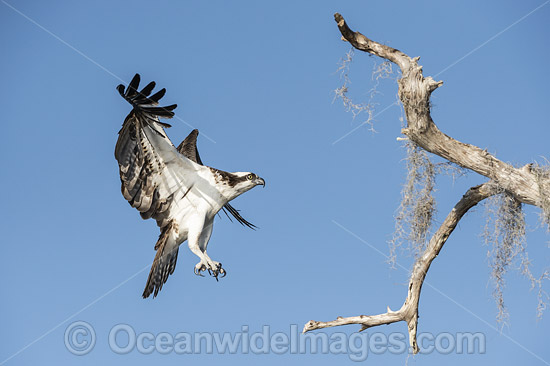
(524,184)
(409,310)
(414,92)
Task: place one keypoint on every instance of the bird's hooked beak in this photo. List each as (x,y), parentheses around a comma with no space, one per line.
(260,181)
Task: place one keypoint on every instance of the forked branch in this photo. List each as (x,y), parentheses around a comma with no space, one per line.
(409,310)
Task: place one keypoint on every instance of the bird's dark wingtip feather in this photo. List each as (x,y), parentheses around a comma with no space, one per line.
(158,95)
(141,101)
(132,87)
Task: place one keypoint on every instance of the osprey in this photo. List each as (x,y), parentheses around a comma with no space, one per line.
(171,185)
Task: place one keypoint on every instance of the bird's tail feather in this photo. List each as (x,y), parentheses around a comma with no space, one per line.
(164,263)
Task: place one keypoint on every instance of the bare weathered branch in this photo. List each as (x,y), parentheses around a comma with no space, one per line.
(409,310)
(414,92)
(524,184)
(362,43)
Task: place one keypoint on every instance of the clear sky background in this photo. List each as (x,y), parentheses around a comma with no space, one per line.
(257,79)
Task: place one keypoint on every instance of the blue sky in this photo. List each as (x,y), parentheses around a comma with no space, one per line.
(257,79)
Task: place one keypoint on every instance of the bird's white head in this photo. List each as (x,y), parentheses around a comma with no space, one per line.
(244,181)
(232,185)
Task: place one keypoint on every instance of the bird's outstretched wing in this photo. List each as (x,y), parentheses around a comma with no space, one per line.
(189,149)
(154,175)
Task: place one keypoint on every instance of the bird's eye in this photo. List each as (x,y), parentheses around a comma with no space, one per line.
(250,176)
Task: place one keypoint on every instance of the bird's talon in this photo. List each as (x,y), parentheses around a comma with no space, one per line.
(198,273)
(198,270)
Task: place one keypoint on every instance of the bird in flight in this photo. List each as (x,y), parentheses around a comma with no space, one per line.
(171,185)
